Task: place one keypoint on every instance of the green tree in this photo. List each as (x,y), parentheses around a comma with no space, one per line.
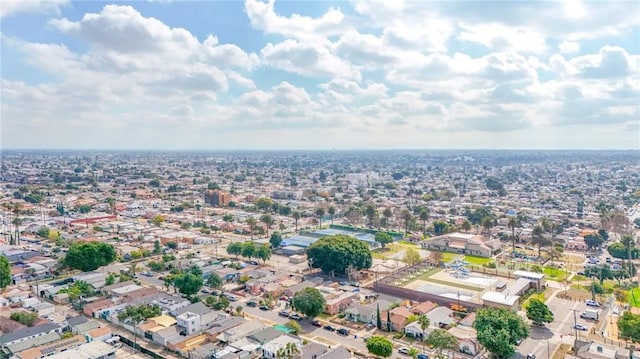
(335,254)
(629,326)
(383,238)
(85,208)
(309,302)
(387,214)
(214,280)
(513,224)
(188,283)
(411,256)
(380,346)
(296,216)
(5,272)
(441,340)
(618,250)
(139,313)
(267,219)
(24,318)
(539,312)
(249,250)
(157,248)
(294,326)
(423,214)
(263,203)
(251,222)
(88,256)
(498,330)
(110,280)
(43,232)
(275,240)
(157,220)
(538,238)
(234,249)
(319,213)
(332,212)
(263,253)
(424,322)
(466,226)
(155,266)
(593,241)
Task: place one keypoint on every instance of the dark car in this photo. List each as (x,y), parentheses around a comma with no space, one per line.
(253,262)
(284,314)
(316,323)
(329,328)
(264,307)
(343,331)
(422,356)
(252,303)
(295,316)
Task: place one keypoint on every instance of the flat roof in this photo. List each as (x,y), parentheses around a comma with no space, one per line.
(527,274)
(90,350)
(500,298)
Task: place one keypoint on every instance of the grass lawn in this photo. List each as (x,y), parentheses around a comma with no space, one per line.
(447,257)
(634,297)
(557,274)
(477,260)
(407,244)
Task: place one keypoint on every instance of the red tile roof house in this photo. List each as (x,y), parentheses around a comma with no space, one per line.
(423,308)
(399,317)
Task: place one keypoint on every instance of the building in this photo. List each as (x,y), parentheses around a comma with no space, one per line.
(92,350)
(463,243)
(216,198)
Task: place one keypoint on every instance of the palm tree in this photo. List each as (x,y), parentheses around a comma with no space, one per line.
(112,204)
(406,217)
(424,322)
(289,351)
(296,217)
(424,216)
(268,221)
(627,241)
(513,223)
(387,213)
(320,213)
(371,213)
(487,224)
(251,222)
(332,212)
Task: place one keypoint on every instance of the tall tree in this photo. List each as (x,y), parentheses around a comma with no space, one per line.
(88,256)
(538,238)
(628,242)
(406,217)
(319,214)
(498,330)
(332,213)
(263,252)
(5,272)
(214,280)
(513,224)
(267,219)
(275,240)
(235,249)
(387,214)
(251,222)
(539,312)
(336,254)
(296,216)
(309,301)
(424,322)
(442,340)
(188,283)
(466,226)
(424,217)
(383,238)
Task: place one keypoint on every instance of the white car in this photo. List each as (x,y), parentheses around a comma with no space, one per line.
(404,350)
(591,303)
(580,327)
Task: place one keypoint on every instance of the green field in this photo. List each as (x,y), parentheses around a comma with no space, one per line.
(478,261)
(634,297)
(556,274)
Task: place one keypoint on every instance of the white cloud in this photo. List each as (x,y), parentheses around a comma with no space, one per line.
(568,47)
(498,37)
(12,7)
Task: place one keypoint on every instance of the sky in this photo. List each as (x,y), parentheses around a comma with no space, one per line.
(362,74)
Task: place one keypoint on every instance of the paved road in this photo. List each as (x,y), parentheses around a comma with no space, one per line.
(544,340)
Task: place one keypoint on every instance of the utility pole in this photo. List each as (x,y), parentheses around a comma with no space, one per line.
(575,322)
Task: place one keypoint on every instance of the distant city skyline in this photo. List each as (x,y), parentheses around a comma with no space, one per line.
(323,75)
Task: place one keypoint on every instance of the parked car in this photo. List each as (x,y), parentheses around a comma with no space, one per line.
(264,307)
(284,314)
(370,326)
(316,323)
(422,356)
(295,316)
(404,350)
(252,303)
(531,356)
(329,328)
(255,263)
(592,303)
(343,331)
(580,327)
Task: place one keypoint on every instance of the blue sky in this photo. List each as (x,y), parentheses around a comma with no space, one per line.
(317,75)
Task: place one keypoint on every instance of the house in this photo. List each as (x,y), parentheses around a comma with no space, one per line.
(93,350)
(423,308)
(463,243)
(500,300)
(601,351)
(338,352)
(337,304)
(414,330)
(42,351)
(366,313)
(29,333)
(441,317)
(398,316)
(271,348)
(467,342)
(313,350)
(221,324)
(240,331)
(99,334)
